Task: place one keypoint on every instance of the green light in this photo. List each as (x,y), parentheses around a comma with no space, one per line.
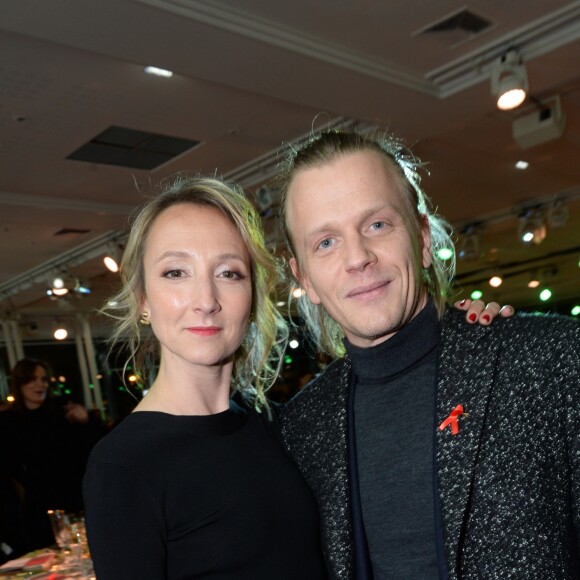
(445,253)
(67,391)
(545,295)
(575,311)
(91,386)
(288,359)
(476,294)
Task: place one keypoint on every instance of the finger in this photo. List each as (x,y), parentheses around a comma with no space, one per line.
(463,304)
(489,313)
(474,311)
(507,311)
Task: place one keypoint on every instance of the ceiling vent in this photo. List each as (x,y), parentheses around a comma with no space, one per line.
(458,27)
(71,232)
(129,148)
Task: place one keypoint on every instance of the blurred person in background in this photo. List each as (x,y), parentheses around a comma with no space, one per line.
(45,446)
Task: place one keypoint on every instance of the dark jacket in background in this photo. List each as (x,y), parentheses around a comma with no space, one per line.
(45,455)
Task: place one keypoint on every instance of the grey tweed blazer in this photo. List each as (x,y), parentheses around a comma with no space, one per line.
(509,481)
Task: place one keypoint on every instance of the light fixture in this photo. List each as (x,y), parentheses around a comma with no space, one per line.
(81,289)
(293,343)
(60,332)
(445,253)
(112,258)
(545,295)
(557,214)
(495,281)
(476,294)
(509,81)
(575,310)
(532,227)
(521,164)
(158,72)
(534,281)
(470,243)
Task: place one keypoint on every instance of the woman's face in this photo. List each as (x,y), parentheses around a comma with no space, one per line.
(198,285)
(34,392)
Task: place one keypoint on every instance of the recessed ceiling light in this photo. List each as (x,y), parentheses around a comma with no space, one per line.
(522,164)
(160,72)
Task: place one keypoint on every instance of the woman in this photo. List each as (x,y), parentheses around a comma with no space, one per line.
(48,444)
(195,483)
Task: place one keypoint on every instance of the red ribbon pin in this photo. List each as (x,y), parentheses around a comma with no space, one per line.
(453,420)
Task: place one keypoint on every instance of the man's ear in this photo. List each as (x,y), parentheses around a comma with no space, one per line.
(304,281)
(426,256)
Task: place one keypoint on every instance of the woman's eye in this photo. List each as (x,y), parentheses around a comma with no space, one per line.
(378,225)
(173,274)
(230,275)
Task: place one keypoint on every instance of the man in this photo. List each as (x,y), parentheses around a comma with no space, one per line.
(434,450)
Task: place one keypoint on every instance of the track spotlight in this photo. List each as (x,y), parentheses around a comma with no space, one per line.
(534,281)
(557,215)
(60,332)
(532,227)
(112,258)
(509,81)
(495,281)
(470,243)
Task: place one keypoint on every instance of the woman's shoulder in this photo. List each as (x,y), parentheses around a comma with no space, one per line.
(129,441)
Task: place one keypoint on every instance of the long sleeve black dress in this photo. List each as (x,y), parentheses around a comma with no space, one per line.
(176,497)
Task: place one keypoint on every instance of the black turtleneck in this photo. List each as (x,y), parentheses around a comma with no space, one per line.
(394,410)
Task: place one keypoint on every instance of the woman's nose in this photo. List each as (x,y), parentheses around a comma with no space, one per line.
(206,298)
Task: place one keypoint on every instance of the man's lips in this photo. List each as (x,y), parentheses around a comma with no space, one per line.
(204,330)
(369,290)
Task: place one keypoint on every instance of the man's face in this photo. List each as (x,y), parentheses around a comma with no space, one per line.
(354,249)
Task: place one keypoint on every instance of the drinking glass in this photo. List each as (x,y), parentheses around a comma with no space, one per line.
(60,523)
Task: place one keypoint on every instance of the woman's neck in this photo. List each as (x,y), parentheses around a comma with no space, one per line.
(182,389)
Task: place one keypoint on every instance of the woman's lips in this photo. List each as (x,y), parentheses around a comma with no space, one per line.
(204,330)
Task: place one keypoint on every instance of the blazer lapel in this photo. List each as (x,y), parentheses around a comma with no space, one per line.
(465,377)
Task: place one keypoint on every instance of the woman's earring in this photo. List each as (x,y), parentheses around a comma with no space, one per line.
(144,320)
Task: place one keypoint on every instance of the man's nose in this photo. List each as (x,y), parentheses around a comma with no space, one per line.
(357,253)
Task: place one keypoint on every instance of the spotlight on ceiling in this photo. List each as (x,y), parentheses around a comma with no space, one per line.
(534,281)
(112,258)
(60,332)
(509,81)
(470,243)
(532,227)
(158,72)
(557,214)
(496,281)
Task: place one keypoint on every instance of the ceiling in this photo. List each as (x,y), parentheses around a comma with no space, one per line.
(250,75)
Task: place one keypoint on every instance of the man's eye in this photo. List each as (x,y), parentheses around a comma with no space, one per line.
(378,225)
(325,243)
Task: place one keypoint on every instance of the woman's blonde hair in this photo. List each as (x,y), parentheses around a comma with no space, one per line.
(258,359)
(324,148)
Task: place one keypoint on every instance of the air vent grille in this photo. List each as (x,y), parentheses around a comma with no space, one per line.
(129,148)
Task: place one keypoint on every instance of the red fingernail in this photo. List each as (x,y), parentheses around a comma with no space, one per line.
(486,317)
(473,317)
(462,303)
